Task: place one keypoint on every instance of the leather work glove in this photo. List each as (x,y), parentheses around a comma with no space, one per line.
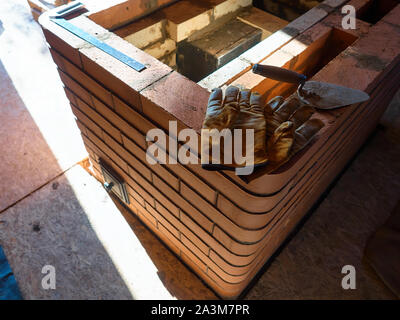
(281,128)
(242,110)
(289,129)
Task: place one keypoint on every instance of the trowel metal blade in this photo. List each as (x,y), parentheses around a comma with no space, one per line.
(330,96)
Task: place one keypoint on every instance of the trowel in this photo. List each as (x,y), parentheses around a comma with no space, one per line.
(320,94)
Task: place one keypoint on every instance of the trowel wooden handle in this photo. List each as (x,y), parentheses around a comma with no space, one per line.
(279,74)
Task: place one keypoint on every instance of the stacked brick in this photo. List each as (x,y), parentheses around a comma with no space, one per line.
(288,9)
(197,37)
(223,227)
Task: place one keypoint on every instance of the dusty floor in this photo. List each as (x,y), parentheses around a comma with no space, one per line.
(53,213)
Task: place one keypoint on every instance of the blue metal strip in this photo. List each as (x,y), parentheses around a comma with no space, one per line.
(99,44)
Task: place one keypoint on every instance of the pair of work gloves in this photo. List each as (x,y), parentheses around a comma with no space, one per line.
(281,128)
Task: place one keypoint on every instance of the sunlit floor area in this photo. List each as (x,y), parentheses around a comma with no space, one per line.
(53,212)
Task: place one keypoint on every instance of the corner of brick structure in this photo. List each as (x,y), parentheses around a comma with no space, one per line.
(222,227)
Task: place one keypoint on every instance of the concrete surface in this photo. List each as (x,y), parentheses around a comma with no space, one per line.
(73,225)
(38,134)
(53,213)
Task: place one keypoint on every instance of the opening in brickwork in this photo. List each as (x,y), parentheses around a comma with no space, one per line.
(375,10)
(311,60)
(196,38)
(337,42)
(286,9)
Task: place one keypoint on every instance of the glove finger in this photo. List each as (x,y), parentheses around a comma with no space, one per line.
(275,102)
(272,105)
(287,108)
(256,102)
(215,99)
(231,95)
(301,115)
(280,143)
(305,133)
(244,99)
(272,115)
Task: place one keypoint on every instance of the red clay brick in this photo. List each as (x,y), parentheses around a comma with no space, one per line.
(183,229)
(147,216)
(115,75)
(133,117)
(93,162)
(194,249)
(98,175)
(137,188)
(165,238)
(137,205)
(171,237)
(69,51)
(220,219)
(75,87)
(190,178)
(118,122)
(193,246)
(84,80)
(175,98)
(200,264)
(308,19)
(99,120)
(157,168)
(81,126)
(198,242)
(107,150)
(183,204)
(134,149)
(133,194)
(57,59)
(95,149)
(226,266)
(119,78)
(132,206)
(109,81)
(198,268)
(263,241)
(70,96)
(121,13)
(164,213)
(335,19)
(127,156)
(274,237)
(88,123)
(63,40)
(165,201)
(153,193)
(212,242)
(165,222)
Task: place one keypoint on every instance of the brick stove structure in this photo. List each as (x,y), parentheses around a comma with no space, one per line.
(223,227)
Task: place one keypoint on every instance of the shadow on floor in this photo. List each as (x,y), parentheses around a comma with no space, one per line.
(41,220)
(180,281)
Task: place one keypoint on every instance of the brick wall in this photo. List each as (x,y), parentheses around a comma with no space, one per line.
(288,9)
(224,228)
(197,37)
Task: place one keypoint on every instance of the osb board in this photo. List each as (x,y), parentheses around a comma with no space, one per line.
(73,225)
(37,125)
